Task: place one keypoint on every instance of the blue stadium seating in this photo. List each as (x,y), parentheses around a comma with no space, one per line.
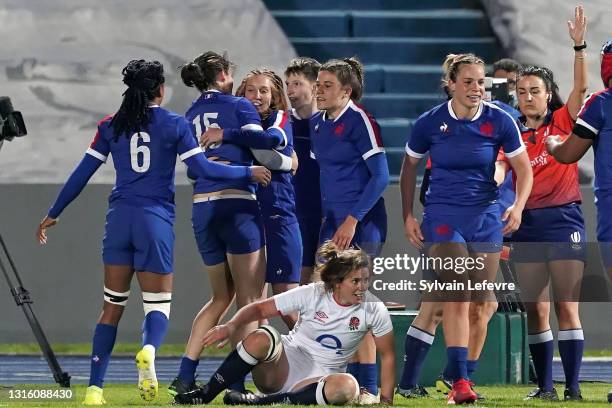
(402,44)
(396,105)
(390,23)
(462,23)
(369,4)
(394,50)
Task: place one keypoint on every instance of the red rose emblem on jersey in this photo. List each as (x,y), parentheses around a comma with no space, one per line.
(338,130)
(487,129)
(354,323)
(443,229)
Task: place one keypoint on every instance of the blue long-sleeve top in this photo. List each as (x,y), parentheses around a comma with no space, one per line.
(353,165)
(144,162)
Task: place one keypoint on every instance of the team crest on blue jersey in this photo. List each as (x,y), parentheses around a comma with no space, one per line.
(354,323)
(338,130)
(487,129)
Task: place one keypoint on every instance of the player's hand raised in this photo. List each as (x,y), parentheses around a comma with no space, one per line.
(512,217)
(261,175)
(211,138)
(577,28)
(41,233)
(218,334)
(412,229)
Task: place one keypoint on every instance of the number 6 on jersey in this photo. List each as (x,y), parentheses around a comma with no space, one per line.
(144,150)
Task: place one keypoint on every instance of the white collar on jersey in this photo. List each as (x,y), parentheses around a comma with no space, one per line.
(153,106)
(212,90)
(348,105)
(295,114)
(476,116)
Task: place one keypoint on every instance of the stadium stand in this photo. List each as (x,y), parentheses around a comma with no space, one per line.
(402,45)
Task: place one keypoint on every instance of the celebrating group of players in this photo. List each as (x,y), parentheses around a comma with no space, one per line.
(318,183)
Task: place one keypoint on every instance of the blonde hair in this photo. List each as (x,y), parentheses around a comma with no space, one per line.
(453,62)
(279,100)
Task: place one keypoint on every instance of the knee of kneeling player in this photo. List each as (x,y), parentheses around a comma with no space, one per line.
(264,343)
(341,389)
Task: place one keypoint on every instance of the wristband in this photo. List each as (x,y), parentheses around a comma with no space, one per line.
(580,47)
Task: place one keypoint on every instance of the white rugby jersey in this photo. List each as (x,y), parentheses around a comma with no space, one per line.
(328,331)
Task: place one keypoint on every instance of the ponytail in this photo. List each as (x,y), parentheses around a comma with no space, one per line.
(349,72)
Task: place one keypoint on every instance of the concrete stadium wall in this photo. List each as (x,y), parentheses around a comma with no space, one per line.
(65,276)
(61,65)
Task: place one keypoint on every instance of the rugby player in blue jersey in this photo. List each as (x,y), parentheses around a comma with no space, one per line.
(421,333)
(347,145)
(264,88)
(144,140)
(300,78)
(226,219)
(461,217)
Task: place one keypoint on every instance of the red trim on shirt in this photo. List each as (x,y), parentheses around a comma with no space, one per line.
(284,119)
(374,124)
(95,139)
(105,119)
(338,303)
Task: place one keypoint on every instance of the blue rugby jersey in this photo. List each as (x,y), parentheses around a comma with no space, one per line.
(595,122)
(463,154)
(306,179)
(144,162)
(277,199)
(219,110)
(341,147)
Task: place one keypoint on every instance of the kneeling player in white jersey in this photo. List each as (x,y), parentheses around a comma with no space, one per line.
(307,366)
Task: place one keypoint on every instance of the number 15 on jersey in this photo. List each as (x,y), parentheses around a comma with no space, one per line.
(206,118)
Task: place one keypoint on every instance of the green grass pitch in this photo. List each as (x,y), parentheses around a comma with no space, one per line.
(126,395)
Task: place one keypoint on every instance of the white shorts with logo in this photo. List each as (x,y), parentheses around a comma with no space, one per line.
(301,365)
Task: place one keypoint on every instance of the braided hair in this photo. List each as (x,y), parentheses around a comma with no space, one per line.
(546,75)
(144,79)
